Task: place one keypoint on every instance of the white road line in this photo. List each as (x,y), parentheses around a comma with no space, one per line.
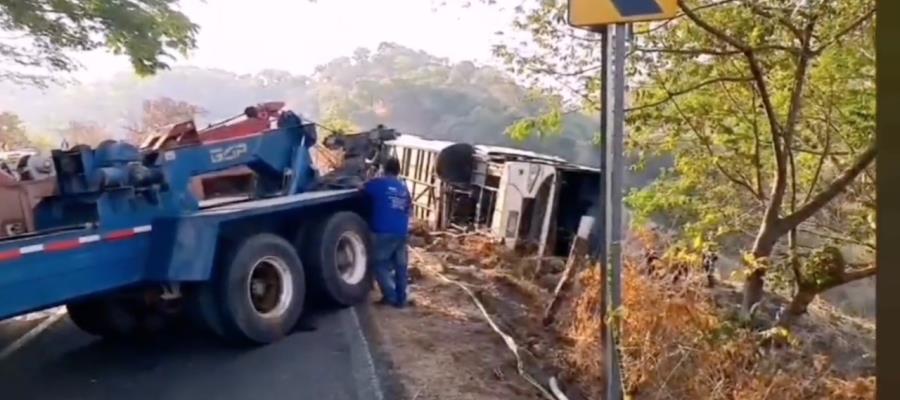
(370,363)
(30,335)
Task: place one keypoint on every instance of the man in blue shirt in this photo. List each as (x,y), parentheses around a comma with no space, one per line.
(391,206)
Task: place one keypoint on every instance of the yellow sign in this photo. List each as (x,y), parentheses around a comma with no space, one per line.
(597,13)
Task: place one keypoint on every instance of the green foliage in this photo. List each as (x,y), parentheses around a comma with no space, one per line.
(148,31)
(765,108)
(823,269)
(725,118)
(336,123)
(700,105)
(550,123)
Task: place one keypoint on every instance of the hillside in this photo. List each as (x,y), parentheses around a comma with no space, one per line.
(410,90)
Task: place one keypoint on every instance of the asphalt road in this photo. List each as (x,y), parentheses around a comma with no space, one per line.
(331,361)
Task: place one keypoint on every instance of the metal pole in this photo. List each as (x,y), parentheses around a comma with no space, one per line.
(601,249)
(615,156)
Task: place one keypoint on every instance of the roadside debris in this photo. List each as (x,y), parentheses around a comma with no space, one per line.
(577,257)
(527,370)
(500,309)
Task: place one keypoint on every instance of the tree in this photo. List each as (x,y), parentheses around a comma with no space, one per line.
(335,121)
(84,132)
(767,108)
(160,113)
(12,132)
(44,31)
(428,96)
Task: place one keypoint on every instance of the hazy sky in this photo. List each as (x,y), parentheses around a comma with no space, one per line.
(296,35)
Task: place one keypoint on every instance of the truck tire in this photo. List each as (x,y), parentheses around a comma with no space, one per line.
(257,292)
(88,317)
(114,318)
(338,256)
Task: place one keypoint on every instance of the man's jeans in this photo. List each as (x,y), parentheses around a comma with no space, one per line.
(391,267)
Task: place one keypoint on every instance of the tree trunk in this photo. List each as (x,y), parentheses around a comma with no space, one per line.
(774,227)
(762,248)
(573,264)
(807,293)
(799,303)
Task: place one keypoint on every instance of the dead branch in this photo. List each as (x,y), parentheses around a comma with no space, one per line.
(455,235)
(579,249)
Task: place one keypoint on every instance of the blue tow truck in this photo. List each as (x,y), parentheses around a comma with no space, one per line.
(127,247)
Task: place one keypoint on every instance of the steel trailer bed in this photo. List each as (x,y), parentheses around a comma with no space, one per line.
(50,269)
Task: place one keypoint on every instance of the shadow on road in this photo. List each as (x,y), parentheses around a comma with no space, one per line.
(64,363)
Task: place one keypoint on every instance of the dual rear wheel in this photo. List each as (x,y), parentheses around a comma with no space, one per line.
(261,286)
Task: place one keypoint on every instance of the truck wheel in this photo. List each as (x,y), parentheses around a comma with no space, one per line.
(259,289)
(338,253)
(115,318)
(88,317)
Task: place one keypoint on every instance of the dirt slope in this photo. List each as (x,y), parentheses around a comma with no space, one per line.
(681,340)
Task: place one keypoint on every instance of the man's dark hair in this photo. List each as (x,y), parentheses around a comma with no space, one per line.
(392,166)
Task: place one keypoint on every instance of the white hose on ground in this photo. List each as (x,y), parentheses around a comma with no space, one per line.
(554,393)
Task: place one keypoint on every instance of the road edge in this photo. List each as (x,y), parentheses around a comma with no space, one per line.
(378,346)
(55,316)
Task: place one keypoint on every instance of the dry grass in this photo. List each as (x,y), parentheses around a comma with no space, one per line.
(681,340)
(679,343)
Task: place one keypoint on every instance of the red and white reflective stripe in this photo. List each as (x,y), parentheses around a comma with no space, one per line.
(72,244)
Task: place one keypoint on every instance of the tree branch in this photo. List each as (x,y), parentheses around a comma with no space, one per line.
(673,94)
(714,52)
(833,190)
(718,33)
(858,274)
(796,106)
(706,144)
(847,30)
(818,173)
(578,72)
(779,187)
(762,12)
(681,15)
(838,238)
